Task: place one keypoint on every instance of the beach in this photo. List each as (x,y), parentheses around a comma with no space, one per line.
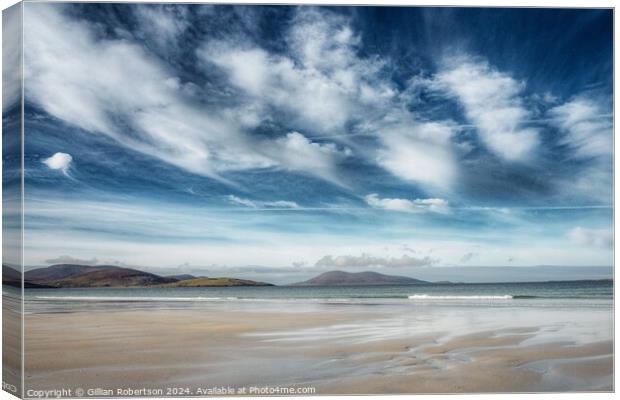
(11,341)
(328,347)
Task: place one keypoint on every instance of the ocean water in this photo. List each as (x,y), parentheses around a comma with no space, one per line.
(583,293)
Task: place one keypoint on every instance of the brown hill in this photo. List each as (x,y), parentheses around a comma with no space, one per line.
(83,276)
(111,277)
(61,271)
(12,277)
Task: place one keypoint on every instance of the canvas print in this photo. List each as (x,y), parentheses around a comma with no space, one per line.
(299,200)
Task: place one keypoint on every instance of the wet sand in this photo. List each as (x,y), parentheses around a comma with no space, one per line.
(338,350)
(11,343)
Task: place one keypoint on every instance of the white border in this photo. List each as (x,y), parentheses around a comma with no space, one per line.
(455,3)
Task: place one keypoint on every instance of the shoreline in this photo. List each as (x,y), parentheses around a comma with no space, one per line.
(17,285)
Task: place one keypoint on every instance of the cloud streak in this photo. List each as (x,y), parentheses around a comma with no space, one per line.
(262,204)
(439,206)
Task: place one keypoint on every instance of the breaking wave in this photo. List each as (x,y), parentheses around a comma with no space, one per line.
(457,297)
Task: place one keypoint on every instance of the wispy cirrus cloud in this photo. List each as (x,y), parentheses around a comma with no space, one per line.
(320,82)
(161,24)
(492,100)
(324,85)
(588,129)
(420,152)
(142,103)
(296,152)
(260,204)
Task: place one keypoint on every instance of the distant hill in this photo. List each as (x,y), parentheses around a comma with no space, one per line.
(182,277)
(12,277)
(10,274)
(341,278)
(61,271)
(111,277)
(209,282)
(86,276)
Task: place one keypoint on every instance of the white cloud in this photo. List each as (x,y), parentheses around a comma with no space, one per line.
(241,201)
(59,161)
(588,133)
(119,89)
(603,238)
(588,130)
(296,152)
(11,55)
(492,100)
(282,204)
(161,23)
(366,260)
(409,206)
(322,83)
(61,231)
(419,151)
(262,204)
(249,69)
(72,260)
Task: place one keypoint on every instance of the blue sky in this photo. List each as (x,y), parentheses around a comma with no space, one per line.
(322,138)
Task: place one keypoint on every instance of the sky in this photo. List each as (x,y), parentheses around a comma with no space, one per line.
(307,139)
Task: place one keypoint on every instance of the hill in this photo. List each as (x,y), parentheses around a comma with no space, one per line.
(60,271)
(182,277)
(10,274)
(341,278)
(86,276)
(210,282)
(75,275)
(111,277)
(12,277)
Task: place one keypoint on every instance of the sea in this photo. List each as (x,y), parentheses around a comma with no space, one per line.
(595,293)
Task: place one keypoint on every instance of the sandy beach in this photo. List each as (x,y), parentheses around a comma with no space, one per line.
(11,343)
(333,349)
